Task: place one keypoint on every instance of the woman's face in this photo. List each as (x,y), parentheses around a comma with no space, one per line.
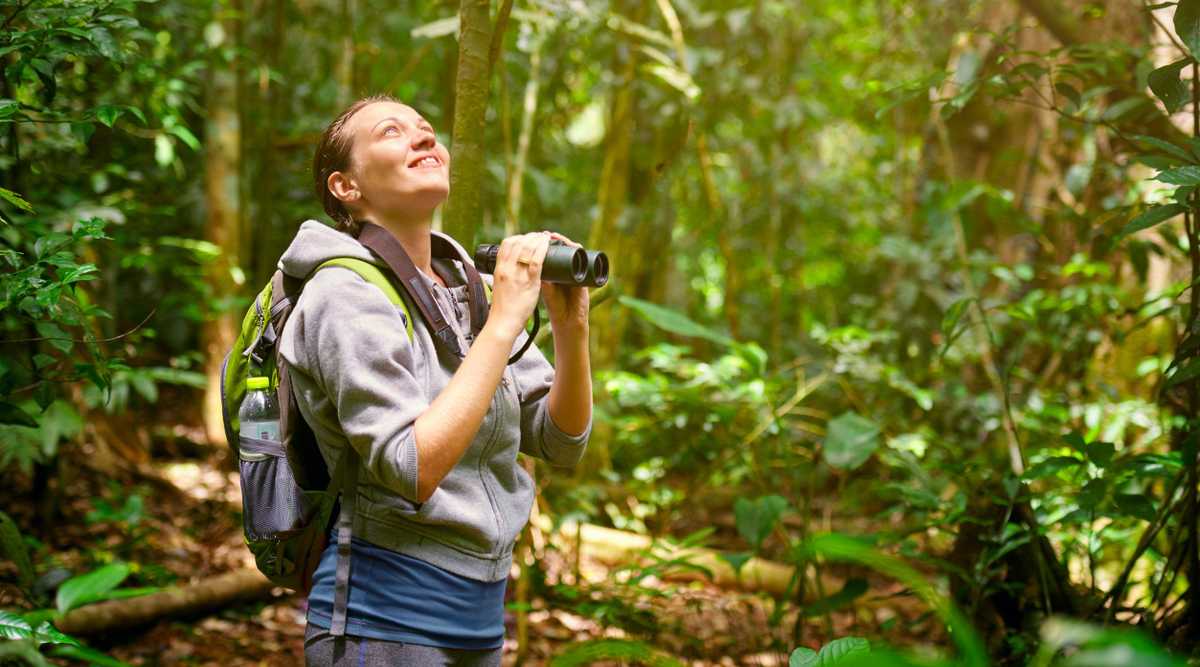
(396,161)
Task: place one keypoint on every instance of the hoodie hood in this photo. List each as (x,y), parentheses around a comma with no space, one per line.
(316,242)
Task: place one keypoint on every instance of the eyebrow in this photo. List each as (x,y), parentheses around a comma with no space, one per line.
(419,121)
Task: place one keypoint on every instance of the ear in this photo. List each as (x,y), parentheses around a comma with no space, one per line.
(343,187)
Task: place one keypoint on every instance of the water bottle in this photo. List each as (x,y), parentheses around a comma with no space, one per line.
(259,412)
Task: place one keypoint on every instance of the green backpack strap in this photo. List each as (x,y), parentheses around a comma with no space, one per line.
(373,275)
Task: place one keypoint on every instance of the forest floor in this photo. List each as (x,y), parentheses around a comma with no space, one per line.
(181,524)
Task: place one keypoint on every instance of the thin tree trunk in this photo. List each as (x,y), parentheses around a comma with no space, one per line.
(464,210)
(345,68)
(528,113)
(223,227)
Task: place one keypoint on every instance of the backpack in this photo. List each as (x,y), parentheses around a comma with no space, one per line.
(288,493)
(289,497)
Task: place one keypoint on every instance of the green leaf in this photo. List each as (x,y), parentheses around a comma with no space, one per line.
(672,320)
(1186,175)
(108,114)
(89,587)
(185,135)
(10,413)
(1187,24)
(756,519)
(88,655)
(802,657)
(1135,505)
(1166,147)
(1068,91)
(737,560)
(14,627)
(1092,494)
(1150,218)
(144,385)
(851,591)
(1122,108)
(1166,84)
(1101,453)
(16,200)
(834,653)
(850,440)
(1189,371)
(54,335)
(1050,467)
(48,634)
(59,420)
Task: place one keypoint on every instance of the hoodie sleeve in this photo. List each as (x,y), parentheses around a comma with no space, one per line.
(350,339)
(540,436)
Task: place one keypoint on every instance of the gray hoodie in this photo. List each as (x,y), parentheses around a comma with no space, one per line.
(360,382)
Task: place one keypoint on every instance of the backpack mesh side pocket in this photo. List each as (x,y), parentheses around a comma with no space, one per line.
(272,502)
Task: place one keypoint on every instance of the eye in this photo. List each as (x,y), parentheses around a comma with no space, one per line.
(390,128)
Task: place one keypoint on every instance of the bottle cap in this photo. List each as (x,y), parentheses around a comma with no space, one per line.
(258,382)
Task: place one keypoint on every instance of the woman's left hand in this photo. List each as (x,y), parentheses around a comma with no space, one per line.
(568,306)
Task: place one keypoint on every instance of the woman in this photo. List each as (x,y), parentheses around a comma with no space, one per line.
(441,499)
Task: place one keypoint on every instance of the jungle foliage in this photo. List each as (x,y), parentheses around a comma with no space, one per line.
(904,289)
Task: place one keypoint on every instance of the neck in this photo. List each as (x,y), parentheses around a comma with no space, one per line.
(413,235)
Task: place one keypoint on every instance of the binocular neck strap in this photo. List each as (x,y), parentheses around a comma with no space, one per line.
(383,244)
(440,247)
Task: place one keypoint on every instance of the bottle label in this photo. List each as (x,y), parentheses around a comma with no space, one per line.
(261,430)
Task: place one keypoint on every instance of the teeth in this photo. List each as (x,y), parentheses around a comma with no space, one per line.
(427,161)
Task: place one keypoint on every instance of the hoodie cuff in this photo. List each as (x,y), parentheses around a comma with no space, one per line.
(557,438)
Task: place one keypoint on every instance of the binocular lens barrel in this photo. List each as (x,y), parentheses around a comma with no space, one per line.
(563,264)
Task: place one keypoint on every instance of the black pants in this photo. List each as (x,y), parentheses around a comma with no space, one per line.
(322,649)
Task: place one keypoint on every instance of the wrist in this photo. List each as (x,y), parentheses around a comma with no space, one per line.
(502,329)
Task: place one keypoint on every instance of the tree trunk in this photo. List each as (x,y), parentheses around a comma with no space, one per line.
(222,161)
(464,210)
(206,595)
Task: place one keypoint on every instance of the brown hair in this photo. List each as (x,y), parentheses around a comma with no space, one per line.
(333,154)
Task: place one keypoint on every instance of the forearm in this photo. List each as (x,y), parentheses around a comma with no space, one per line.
(570,398)
(445,430)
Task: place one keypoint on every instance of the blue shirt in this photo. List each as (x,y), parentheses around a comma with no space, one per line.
(400,598)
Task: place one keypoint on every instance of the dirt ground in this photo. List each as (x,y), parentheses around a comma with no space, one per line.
(188,527)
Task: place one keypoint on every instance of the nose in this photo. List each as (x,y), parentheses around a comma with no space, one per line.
(424,140)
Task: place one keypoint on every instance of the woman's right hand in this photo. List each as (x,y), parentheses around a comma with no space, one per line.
(516,287)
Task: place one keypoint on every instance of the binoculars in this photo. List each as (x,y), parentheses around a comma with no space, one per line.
(563,264)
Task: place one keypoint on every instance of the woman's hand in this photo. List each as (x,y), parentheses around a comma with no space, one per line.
(568,306)
(517,285)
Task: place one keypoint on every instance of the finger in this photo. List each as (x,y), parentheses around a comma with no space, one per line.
(564,239)
(540,247)
(522,249)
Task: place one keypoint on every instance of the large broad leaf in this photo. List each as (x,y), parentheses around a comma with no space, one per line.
(850,440)
(14,627)
(90,587)
(1151,217)
(672,320)
(756,519)
(1187,24)
(834,653)
(1166,84)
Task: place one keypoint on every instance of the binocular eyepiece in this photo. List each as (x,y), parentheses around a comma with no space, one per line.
(563,264)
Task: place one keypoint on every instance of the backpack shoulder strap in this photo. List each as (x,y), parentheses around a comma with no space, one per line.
(373,275)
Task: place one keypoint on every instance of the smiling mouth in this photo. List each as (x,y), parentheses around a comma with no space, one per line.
(425,163)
